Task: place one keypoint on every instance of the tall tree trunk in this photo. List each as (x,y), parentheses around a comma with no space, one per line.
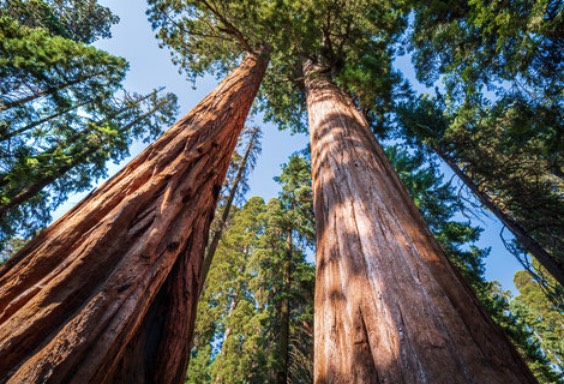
(389,307)
(553,267)
(282,375)
(122,268)
(225,213)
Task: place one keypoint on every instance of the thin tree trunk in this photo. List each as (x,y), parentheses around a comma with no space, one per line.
(122,268)
(533,247)
(282,375)
(48,91)
(212,248)
(16,132)
(26,193)
(227,332)
(389,307)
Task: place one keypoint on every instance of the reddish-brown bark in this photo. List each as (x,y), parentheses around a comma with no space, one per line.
(108,292)
(389,307)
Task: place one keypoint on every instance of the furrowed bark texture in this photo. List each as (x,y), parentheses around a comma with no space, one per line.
(389,307)
(114,282)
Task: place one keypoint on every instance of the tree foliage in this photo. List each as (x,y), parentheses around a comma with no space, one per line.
(509,152)
(240,317)
(63,111)
(79,20)
(544,317)
(501,117)
(353,39)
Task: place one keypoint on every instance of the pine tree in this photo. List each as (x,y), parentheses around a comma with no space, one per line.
(117,277)
(82,21)
(39,182)
(64,112)
(545,318)
(508,172)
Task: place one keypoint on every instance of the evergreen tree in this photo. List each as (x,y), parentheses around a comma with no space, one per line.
(508,171)
(234,186)
(545,318)
(376,262)
(38,183)
(258,306)
(61,113)
(80,20)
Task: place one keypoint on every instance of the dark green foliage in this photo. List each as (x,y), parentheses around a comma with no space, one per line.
(79,20)
(501,119)
(510,152)
(352,39)
(480,43)
(53,166)
(63,112)
(544,317)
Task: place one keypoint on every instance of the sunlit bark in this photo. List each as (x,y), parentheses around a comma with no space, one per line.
(389,307)
(109,291)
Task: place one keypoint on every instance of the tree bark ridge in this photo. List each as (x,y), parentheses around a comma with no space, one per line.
(389,307)
(76,297)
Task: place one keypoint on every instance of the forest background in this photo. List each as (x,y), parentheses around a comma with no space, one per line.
(150,68)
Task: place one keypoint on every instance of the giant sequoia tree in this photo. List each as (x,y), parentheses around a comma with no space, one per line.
(440,204)
(389,306)
(108,292)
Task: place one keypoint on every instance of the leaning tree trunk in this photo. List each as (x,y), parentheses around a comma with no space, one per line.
(212,247)
(389,307)
(284,342)
(122,268)
(554,266)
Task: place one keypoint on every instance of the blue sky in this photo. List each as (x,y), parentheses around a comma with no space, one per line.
(150,67)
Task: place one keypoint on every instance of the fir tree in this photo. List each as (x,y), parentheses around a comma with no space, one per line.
(258,305)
